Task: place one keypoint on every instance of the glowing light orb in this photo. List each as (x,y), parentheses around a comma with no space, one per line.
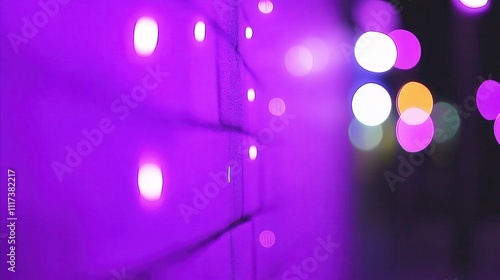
(446,121)
(497,129)
(474,4)
(375,52)
(267,238)
(488,99)
(320,53)
(248,33)
(376,15)
(365,138)
(251,94)
(145,36)
(266,6)
(408,49)
(299,61)
(199,31)
(150,181)
(414,95)
(371,104)
(252,152)
(277,106)
(414,116)
(414,138)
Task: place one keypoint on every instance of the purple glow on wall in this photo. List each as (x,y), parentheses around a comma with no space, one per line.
(191,216)
(414,138)
(408,48)
(488,99)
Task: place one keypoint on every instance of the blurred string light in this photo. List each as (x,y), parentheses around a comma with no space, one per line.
(265,6)
(320,53)
(371,104)
(474,4)
(408,49)
(365,138)
(488,99)
(200,31)
(145,36)
(150,182)
(267,238)
(415,128)
(376,15)
(497,129)
(417,96)
(375,52)
(446,121)
(488,103)
(277,106)
(299,61)
(414,138)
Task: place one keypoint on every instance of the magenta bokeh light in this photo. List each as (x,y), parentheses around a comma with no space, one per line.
(414,138)
(377,16)
(497,129)
(408,47)
(488,99)
(471,6)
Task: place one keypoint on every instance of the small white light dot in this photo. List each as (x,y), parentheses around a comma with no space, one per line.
(248,32)
(145,36)
(199,31)
(252,152)
(150,181)
(251,94)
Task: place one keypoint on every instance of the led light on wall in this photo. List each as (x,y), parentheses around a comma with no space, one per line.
(145,36)
(150,181)
(267,238)
(277,106)
(252,152)
(375,52)
(371,104)
(248,33)
(266,6)
(251,94)
(199,31)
